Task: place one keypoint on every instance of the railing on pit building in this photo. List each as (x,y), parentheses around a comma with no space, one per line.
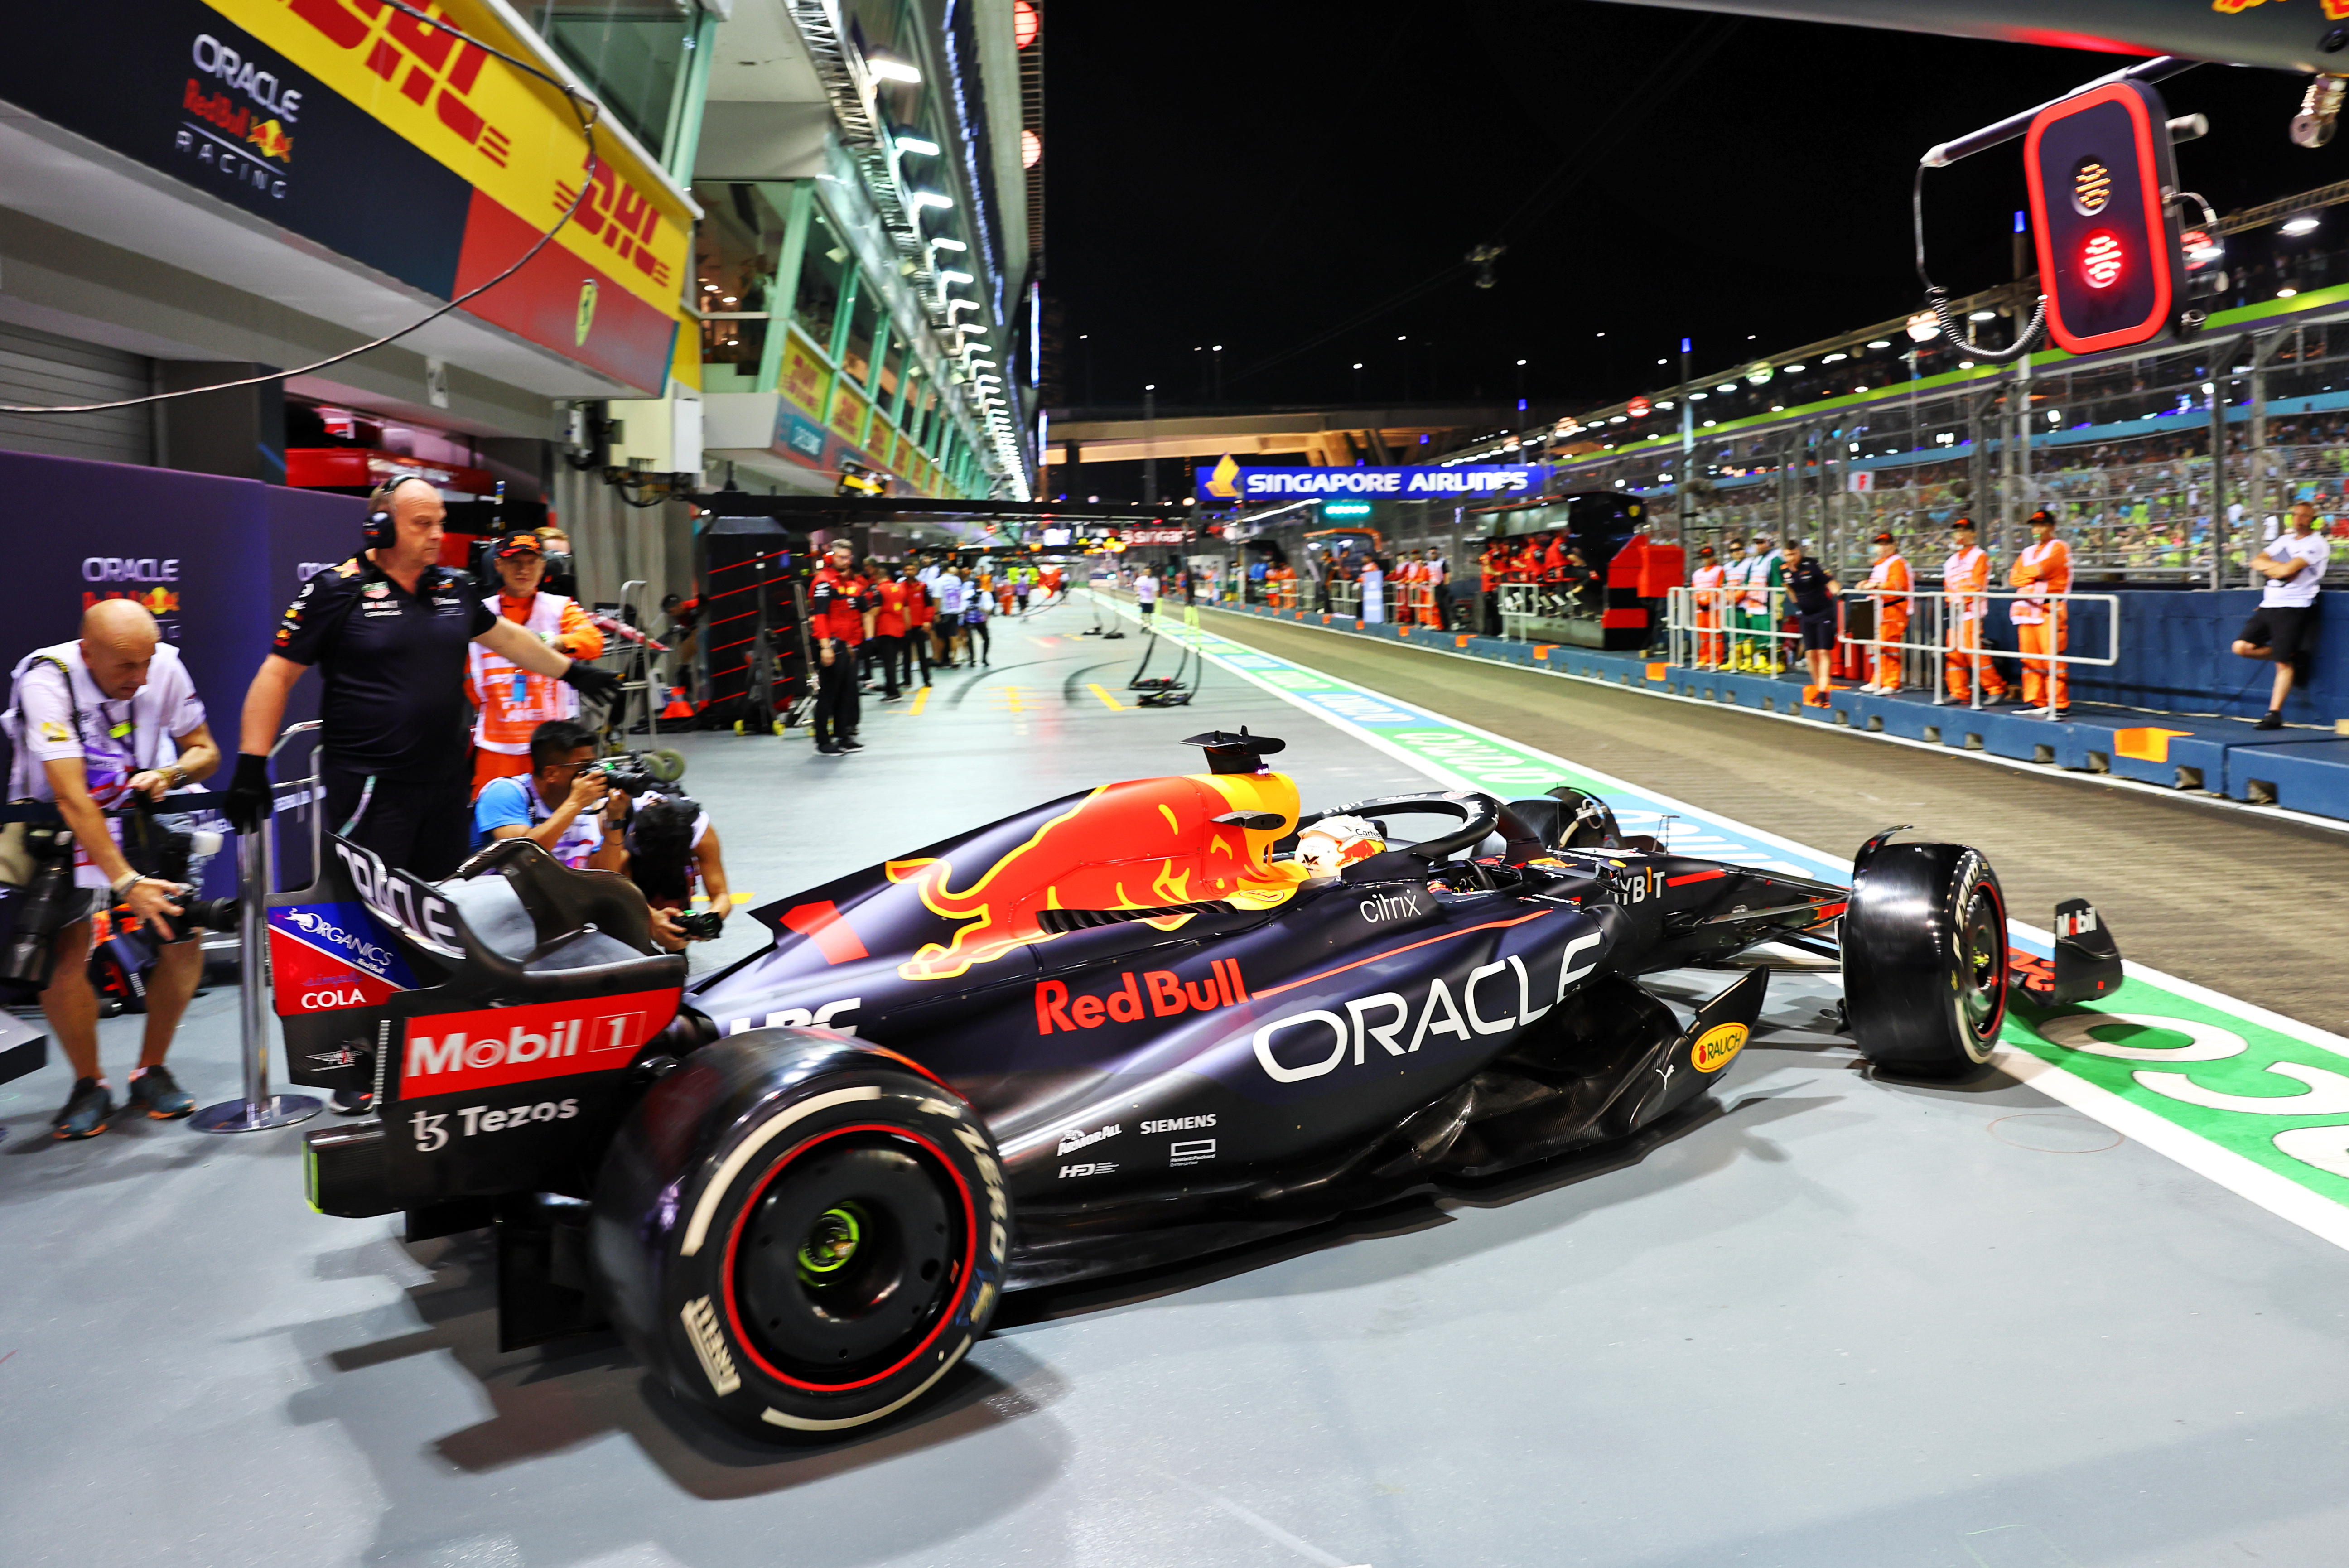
(1710,635)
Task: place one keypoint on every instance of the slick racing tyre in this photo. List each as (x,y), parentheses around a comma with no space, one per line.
(801,1234)
(1924,958)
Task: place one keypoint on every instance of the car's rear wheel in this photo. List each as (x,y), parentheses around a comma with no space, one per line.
(1924,958)
(799,1234)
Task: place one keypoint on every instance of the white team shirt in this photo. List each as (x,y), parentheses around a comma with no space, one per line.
(1145,590)
(114,738)
(2298,591)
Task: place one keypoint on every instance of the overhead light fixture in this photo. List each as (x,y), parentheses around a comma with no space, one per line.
(944,244)
(916,144)
(2286,293)
(930,199)
(1699,396)
(2306,223)
(1834,359)
(1727,387)
(1983,316)
(950,276)
(955,304)
(890,70)
(974,359)
(1880,343)
(1796,369)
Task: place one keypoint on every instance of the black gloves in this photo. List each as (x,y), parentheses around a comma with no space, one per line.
(249,794)
(601,685)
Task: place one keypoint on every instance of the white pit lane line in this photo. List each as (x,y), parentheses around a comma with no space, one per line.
(1725,838)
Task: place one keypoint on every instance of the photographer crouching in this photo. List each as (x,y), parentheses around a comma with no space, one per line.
(97,724)
(672,852)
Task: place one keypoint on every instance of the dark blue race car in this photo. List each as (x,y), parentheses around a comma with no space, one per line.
(1159,1019)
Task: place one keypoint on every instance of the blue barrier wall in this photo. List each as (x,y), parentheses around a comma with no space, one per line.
(2174,656)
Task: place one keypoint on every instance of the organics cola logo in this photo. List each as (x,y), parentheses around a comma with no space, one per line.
(310,923)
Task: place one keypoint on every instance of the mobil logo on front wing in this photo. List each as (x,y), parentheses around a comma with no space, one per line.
(329,956)
(460,1052)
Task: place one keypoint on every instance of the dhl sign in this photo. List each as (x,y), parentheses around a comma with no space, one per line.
(514,138)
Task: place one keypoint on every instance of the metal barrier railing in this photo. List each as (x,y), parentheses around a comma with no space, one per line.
(256,863)
(1945,650)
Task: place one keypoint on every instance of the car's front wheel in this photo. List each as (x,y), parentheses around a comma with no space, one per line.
(1924,958)
(802,1234)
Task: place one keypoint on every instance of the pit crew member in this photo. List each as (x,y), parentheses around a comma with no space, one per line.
(388,628)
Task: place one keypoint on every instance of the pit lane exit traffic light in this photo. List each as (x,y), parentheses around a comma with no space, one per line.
(2100,172)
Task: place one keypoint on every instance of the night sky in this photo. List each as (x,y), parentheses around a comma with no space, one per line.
(1266,176)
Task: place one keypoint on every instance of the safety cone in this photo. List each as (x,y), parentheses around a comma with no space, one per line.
(678,707)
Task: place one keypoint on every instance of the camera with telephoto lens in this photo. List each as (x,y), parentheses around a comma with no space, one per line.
(701,928)
(163,854)
(635,774)
(32,913)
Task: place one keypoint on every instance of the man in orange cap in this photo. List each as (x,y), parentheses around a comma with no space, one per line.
(509,702)
(2044,568)
(1887,579)
(1965,576)
(1706,582)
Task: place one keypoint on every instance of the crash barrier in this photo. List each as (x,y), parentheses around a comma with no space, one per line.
(256,879)
(1346,598)
(2299,768)
(1935,636)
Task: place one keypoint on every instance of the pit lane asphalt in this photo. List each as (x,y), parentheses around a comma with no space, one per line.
(2246,906)
(1838,1321)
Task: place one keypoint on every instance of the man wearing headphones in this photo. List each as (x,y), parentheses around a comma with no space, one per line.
(390,628)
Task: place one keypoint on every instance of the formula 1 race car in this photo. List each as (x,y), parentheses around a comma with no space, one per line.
(1154,1019)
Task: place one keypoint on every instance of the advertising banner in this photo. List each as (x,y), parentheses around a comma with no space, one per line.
(1229,483)
(358,129)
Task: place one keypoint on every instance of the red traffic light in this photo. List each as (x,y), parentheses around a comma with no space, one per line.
(2099,165)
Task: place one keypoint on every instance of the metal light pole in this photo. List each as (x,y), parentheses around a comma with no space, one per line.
(1150,444)
(1688,446)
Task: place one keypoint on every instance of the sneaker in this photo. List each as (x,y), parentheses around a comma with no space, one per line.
(850,744)
(86,1111)
(826,748)
(154,1091)
(2273,721)
(353,1102)
(892,698)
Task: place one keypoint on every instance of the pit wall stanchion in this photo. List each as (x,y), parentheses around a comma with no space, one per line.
(260,1110)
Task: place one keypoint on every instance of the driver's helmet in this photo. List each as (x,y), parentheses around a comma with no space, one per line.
(1334,842)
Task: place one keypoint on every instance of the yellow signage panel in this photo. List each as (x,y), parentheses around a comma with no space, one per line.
(513,138)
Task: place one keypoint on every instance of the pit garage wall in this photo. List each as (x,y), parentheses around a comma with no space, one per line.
(216,561)
(614,541)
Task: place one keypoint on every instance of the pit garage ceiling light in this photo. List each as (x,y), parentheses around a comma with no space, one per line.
(1880,343)
(944,244)
(916,144)
(890,70)
(2306,223)
(931,198)
(1983,316)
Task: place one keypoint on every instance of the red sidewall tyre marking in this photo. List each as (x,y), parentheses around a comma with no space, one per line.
(962,1273)
(1989,1035)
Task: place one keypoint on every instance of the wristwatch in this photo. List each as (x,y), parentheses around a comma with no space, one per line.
(124,883)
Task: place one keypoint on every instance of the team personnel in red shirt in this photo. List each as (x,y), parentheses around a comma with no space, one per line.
(921,609)
(840,617)
(888,645)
